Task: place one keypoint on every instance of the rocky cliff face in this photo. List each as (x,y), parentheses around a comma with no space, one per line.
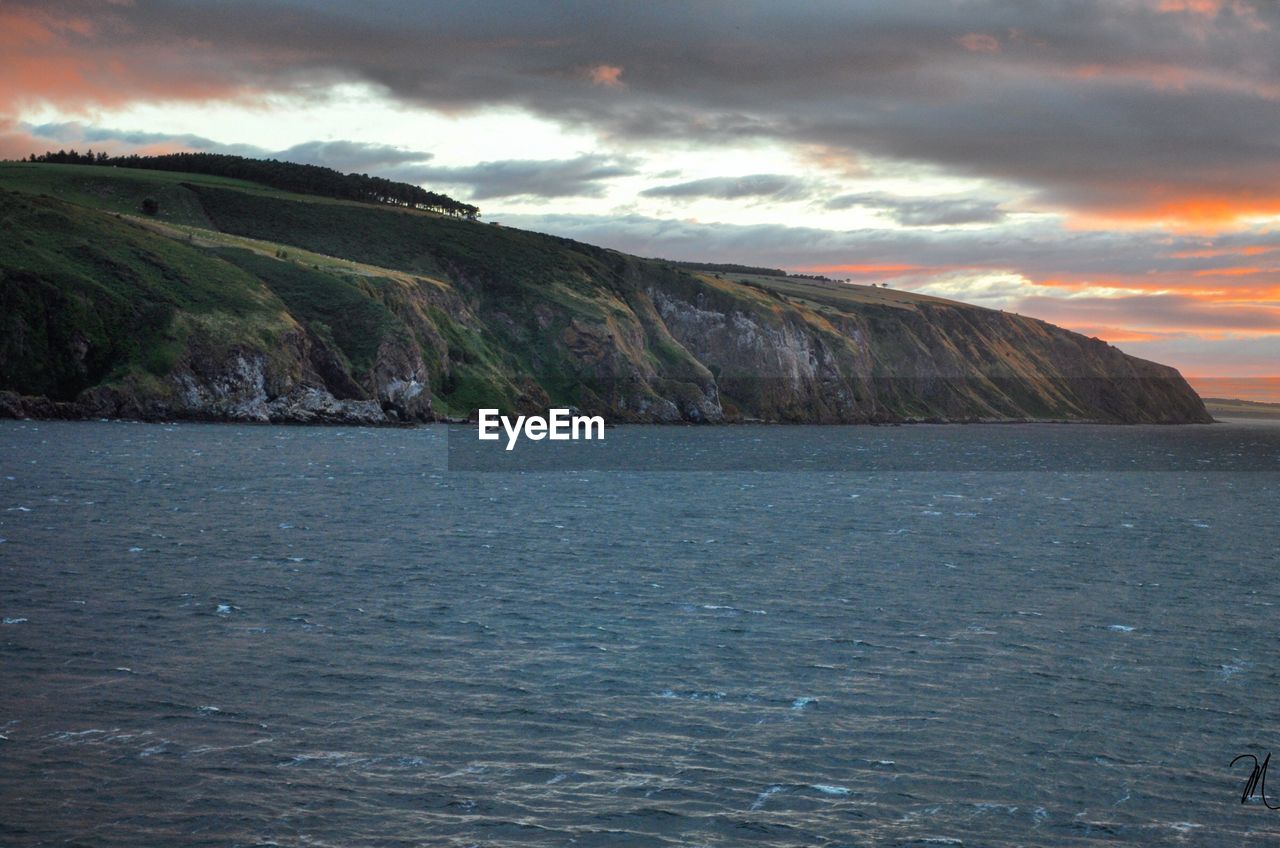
(935,361)
(346,314)
(246,385)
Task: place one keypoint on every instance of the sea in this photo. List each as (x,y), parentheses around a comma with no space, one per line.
(979,635)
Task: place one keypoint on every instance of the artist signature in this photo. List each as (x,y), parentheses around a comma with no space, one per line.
(1257,782)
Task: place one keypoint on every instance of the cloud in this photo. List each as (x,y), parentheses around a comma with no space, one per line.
(1155,312)
(609,76)
(70,54)
(582,176)
(1149,111)
(977,42)
(15,142)
(993,289)
(771,186)
(351,156)
(924,211)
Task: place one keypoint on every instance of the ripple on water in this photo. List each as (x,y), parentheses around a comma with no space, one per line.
(337,641)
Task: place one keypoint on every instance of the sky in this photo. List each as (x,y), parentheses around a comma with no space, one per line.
(1111,167)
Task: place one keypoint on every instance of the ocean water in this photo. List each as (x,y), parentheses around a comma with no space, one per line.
(242,636)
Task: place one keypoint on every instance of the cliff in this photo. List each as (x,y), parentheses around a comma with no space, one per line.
(237,302)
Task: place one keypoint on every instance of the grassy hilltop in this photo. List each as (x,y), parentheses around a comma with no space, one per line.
(236,301)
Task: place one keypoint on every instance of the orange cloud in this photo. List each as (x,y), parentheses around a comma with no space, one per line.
(57,59)
(1159,76)
(1212,9)
(1230,291)
(1116,335)
(610,76)
(1232,272)
(977,42)
(1208,8)
(1146,207)
(869,269)
(16,144)
(1214,252)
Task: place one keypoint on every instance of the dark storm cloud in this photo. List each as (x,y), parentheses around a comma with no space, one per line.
(770,186)
(924,211)
(582,176)
(1153,107)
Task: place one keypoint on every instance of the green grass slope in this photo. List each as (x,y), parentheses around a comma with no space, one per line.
(89,298)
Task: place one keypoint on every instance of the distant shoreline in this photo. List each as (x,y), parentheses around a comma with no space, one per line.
(1237,408)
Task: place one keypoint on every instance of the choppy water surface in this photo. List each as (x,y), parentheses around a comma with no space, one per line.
(220,635)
